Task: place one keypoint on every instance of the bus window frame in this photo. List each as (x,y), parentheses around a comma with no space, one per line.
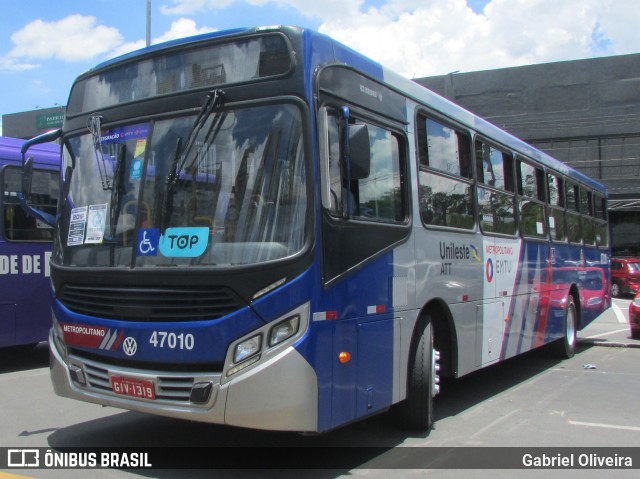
(538,200)
(558,206)
(510,176)
(601,223)
(572,211)
(587,217)
(420,117)
(361,116)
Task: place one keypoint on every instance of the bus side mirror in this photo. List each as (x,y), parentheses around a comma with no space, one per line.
(27,176)
(359,152)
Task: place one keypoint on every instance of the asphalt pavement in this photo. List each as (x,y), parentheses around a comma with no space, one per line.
(611,328)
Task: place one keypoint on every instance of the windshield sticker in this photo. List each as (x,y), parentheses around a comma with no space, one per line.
(136,169)
(96,222)
(131,132)
(77,224)
(136,164)
(184,242)
(148,241)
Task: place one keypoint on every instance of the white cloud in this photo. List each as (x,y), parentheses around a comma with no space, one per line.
(73,38)
(183,27)
(188,7)
(9,64)
(430,37)
(79,38)
(414,37)
(308,8)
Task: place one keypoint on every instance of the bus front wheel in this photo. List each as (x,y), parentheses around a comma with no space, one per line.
(422,385)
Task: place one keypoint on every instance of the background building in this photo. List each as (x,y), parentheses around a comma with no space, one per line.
(32,123)
(586,113)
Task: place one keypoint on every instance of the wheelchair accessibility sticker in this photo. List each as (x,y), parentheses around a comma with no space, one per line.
(148,241)
(174,243)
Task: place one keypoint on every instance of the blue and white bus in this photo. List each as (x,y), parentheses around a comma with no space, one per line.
(25,245)
(263,228)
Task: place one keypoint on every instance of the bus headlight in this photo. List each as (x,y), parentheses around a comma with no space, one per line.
(266,343)
(284,330)
(58,339)
(247,348)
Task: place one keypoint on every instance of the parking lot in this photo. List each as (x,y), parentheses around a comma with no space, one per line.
(533,401)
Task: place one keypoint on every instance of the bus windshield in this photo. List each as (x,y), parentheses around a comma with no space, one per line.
(226,188)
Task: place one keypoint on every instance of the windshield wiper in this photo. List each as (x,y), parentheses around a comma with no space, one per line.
(215,98)
(94,126)
(117,189)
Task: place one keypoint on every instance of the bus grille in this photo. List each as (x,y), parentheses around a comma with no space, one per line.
(150,303)
(174,389)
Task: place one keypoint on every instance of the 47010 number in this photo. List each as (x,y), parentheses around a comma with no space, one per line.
(164,339)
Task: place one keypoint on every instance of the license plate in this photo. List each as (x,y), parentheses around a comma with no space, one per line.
(139,388)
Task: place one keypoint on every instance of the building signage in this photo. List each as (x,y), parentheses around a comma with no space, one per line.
(51,120)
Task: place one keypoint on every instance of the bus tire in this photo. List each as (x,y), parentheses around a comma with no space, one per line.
(417,409)
(566,347)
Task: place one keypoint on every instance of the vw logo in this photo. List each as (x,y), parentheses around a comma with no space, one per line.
(129,346)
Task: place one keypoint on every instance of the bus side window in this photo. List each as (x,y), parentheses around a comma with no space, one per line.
(573,216)
(555,188)
(380,196)
(335,175)
(600,213)
(586,217)
(530,201)
(16,224)
(445,175)
(494,170)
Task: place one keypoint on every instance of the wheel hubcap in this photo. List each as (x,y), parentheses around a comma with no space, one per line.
(571,327)
(435,369)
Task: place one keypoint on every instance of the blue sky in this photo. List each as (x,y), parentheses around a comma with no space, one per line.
(44,45)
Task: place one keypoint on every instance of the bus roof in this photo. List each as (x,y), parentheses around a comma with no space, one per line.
(438,103)
(409,88)
(43,154)
(486,128)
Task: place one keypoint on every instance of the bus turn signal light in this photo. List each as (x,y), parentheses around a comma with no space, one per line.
(344,357)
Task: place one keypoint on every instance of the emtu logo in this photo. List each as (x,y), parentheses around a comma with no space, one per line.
(489,270)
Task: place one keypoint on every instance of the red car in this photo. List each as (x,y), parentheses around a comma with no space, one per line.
(625,276)
(634,317)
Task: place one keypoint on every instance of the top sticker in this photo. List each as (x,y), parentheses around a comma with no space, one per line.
(188,242)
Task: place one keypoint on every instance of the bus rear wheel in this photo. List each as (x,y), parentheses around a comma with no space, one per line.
(423,382)
(566,347)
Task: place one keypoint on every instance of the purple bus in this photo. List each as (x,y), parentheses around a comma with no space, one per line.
(25,244)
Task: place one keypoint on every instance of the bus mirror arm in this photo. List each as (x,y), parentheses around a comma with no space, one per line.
(27,175)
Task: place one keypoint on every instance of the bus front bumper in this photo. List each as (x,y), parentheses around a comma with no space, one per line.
(279,394)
